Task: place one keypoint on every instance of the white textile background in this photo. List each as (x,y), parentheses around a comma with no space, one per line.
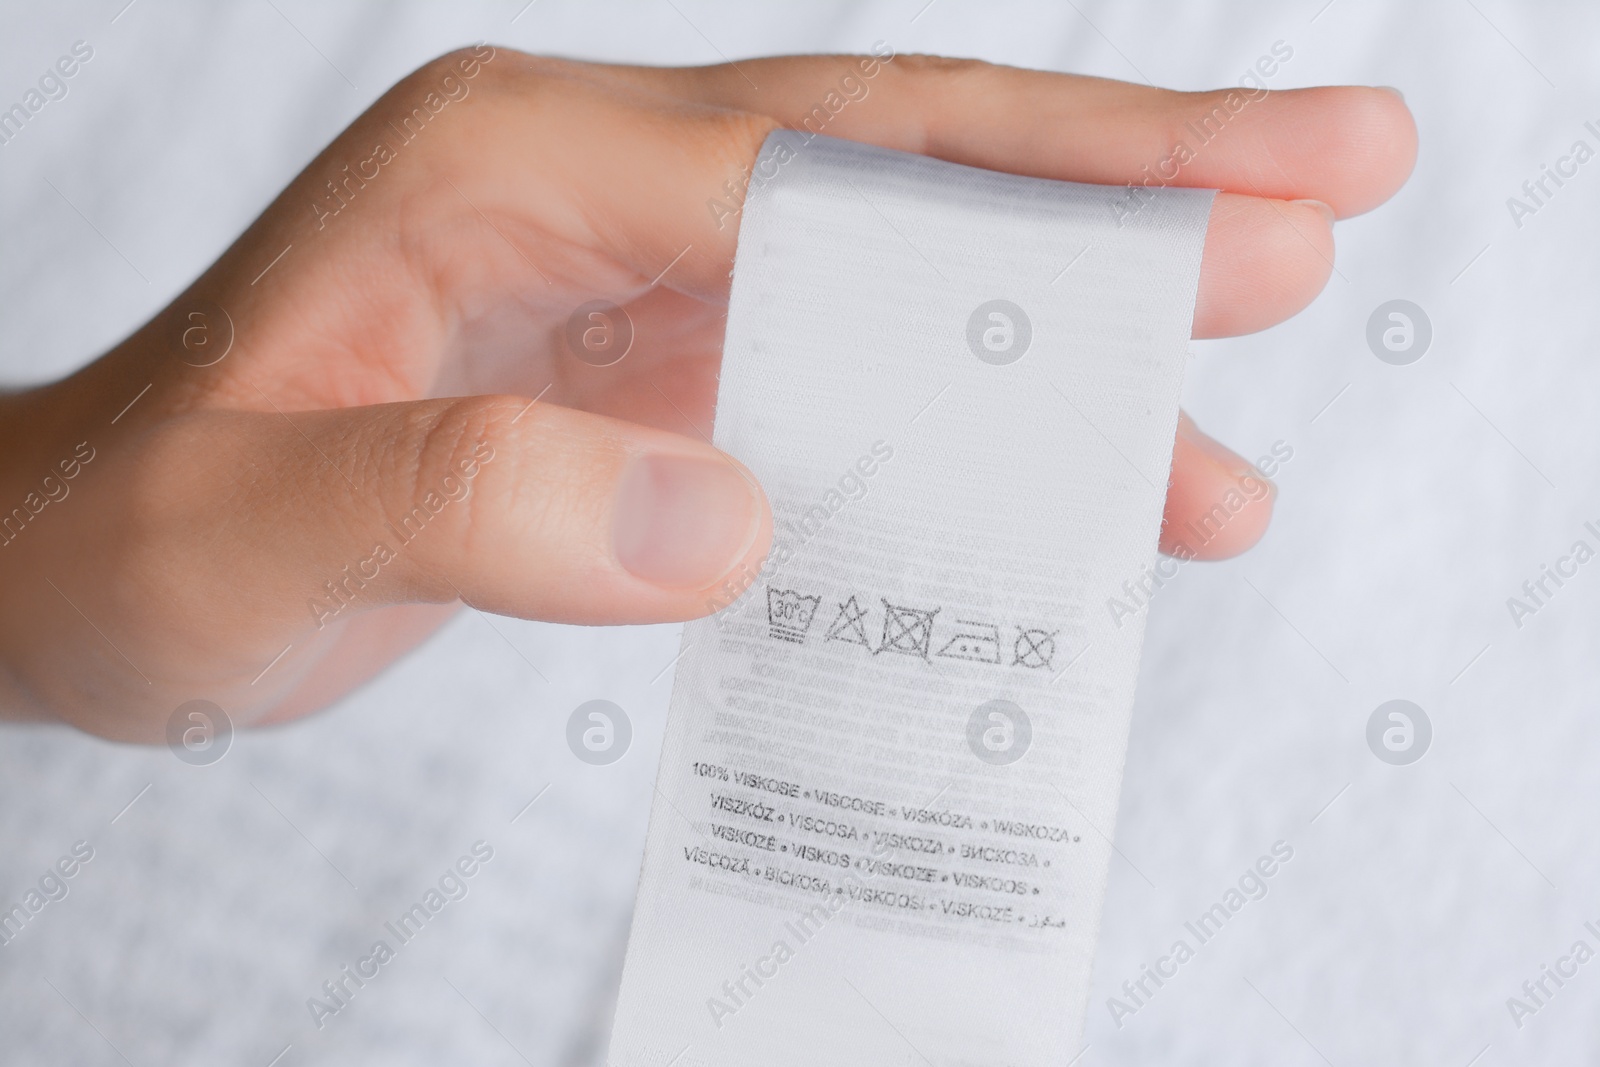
(1418,499)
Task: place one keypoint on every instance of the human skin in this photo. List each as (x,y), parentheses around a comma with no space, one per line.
(400,341)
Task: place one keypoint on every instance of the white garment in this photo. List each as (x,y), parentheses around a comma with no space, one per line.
(1415,505)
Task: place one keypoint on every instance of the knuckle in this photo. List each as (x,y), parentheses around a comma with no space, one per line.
(440,442)
(950,83)
(453,82)
(432,459)
(731,140)
(918,64)
(953,83)
(461,63)
(495,475)
(497,72)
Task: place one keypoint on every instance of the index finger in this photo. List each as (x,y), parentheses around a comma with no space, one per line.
(1350,147)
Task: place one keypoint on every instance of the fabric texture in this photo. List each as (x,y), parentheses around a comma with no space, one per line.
(1418,500)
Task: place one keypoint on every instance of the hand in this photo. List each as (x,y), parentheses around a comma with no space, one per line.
(269,530)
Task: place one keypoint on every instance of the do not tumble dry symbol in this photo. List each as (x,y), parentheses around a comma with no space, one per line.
(908,631)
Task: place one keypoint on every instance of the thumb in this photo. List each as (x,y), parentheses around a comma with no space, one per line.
(539,511)
(518,508)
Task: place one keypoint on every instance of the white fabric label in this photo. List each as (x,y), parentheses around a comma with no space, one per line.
(891,766)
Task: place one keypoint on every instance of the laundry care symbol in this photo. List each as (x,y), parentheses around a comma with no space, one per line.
(976,641)
(847,626)
(1034,648)
(908,631)
(789,614)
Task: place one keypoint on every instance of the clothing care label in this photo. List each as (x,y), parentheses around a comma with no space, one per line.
(881,826)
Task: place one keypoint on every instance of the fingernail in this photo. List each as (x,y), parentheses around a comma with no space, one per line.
(1327,212)
(1392,89)
(681,522)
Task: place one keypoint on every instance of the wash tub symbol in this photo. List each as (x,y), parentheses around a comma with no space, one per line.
(789,614)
